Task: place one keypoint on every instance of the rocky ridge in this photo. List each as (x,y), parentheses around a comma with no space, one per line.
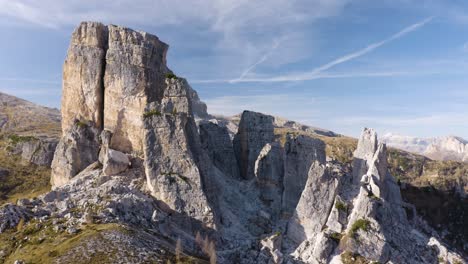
(441,148)
(133,155)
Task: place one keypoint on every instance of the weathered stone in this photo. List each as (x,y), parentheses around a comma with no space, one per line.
(39,152)
(173,156)
(82,93)
(216,142)
(114,162)
(272,246)
(77,149)
(269,173)
(11,215)
(365,151)
(134,77)
(255,130)
(315,204)
(300,153)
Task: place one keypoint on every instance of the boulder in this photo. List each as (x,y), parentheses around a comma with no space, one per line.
(255,130)
(300,152)
(77,149)
(11,215)
(216,142)
(114,162)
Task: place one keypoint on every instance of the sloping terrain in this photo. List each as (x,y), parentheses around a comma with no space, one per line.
(18,116)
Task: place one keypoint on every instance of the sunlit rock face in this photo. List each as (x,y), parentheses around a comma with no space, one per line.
(135,68)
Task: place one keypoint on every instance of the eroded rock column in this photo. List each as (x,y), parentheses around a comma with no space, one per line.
(83,88)
(134,77)
(255,131)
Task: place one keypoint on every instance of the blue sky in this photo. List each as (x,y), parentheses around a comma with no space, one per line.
(395,65)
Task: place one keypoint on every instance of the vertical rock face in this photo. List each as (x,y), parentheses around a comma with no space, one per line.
(77,149)
(215,140)
(134,76)
(364,152)
(315,204)
(255,130)
(269,173)
(40,152)
(300,152)
(82,93)
(174,162)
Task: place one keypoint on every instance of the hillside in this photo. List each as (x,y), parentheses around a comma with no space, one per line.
(19,116)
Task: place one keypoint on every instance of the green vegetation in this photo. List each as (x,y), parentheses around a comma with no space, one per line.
(81,124)
(24,180)
(15,139)
(38,242)
(350,258)
(151,113)
(341,206)
(336,237)
(361,224)
(171,76)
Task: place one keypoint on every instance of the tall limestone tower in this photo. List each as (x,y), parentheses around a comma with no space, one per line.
(120,100)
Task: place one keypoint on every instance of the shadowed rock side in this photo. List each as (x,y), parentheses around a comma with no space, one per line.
(140,161)
(255,130)
(173,162)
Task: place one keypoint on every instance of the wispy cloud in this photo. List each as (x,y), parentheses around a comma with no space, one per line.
(319,72)
(266,56)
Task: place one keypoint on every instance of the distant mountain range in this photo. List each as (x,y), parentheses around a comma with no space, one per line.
(438,148)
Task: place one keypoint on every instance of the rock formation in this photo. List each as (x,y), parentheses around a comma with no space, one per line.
(78,149)
(301,152)
(135,69)
(216,142)
(83,71)
(255,130)
(173,161)
(133,155)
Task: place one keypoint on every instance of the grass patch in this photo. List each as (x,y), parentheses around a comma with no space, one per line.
(39,243)
(361,224)
(15,139)
(340,206)
(151,113)
(81,124)
(336,237)
(24,180)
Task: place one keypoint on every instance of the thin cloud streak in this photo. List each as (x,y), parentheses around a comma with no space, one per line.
(260,61)
(318,73)
(369,48)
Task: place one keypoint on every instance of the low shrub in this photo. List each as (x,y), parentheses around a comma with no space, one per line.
(361,224)
(151,113)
